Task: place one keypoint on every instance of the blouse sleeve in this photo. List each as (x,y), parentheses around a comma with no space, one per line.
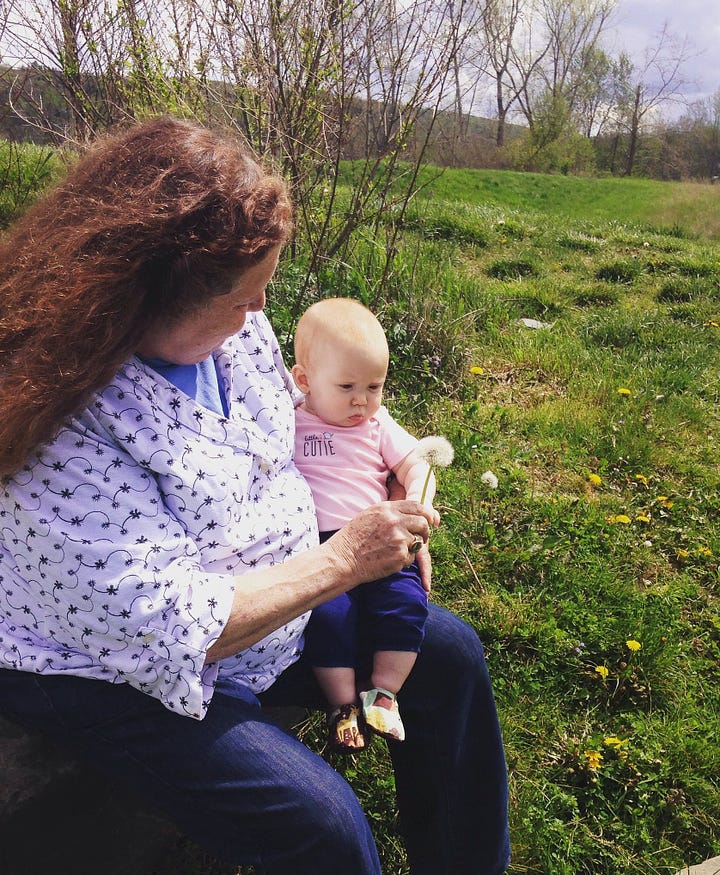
(100,579)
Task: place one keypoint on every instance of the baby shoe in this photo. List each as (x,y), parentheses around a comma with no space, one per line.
(385,721)
(345,731)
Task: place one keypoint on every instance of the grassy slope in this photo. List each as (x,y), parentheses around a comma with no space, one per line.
(612,751)
(562,578)
(694,207)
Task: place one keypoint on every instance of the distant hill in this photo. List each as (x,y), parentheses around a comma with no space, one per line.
(33,106)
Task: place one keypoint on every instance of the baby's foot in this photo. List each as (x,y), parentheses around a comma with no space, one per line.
(381,713)
(345,733)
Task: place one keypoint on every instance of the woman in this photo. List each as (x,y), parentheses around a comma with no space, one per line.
(158,551)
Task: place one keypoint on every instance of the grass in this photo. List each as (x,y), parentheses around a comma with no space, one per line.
(602,427)
(687,208)
(24,168)
(591,572)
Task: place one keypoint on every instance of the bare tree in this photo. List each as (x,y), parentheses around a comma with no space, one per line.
(470,57)
(507,26)
(315,81)
(657,82)
(566,75)
(306,81)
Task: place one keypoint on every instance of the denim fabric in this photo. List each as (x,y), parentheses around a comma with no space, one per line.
(249,793)
(385,614)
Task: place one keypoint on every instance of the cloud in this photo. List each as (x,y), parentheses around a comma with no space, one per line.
(638,24)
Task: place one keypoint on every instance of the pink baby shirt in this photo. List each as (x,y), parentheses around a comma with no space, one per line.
(347,468)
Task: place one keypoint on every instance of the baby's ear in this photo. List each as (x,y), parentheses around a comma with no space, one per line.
(300,377)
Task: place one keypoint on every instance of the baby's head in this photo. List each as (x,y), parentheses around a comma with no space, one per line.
(341,356)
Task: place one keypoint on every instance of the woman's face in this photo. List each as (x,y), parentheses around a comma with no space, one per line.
(192,338)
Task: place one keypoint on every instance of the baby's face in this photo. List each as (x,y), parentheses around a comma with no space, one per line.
(345,385)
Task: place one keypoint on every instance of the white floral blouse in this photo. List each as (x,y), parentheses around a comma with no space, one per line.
(120,540)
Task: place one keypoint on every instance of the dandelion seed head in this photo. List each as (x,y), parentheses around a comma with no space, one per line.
(436,450)
(489,479)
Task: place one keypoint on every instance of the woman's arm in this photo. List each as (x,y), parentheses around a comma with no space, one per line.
(372,545)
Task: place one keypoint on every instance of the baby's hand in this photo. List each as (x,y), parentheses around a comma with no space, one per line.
(434,515)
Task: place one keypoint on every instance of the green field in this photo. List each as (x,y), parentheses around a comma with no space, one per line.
(564,334)
(591,572)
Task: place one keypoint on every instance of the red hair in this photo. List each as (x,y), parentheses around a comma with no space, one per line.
(149,225)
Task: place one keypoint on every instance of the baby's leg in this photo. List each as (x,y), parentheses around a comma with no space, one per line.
(391,669)
(395,610)
(337,684)
(330,646)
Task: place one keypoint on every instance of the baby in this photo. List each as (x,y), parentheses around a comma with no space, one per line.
(347,445)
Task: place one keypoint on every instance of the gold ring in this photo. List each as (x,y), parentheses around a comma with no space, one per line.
(416,546)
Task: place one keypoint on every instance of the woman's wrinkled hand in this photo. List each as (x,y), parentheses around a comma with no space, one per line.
(378,541)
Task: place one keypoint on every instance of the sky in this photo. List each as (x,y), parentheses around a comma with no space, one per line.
(638,23)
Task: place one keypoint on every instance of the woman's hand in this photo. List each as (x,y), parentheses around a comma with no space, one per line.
(396,492)
(374,544)
(378,541)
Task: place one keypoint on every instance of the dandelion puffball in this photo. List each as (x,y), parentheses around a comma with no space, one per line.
(436,451)
(489,479)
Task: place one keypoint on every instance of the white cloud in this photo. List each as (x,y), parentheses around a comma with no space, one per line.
(638,24)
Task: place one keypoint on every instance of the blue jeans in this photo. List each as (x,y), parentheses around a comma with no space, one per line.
(250,793)
(385,614)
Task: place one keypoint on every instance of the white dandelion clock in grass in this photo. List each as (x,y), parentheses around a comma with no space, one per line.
(438,452)
(489,479)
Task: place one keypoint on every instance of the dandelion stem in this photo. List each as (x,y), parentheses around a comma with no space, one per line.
(425,485)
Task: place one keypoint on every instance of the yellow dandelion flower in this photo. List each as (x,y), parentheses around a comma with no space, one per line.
(614,741)
(476,370)
(633,645)
(665,501)
(595,479)
(594,758)
(706,551)
(642,518)
(623,391)
(641,478)
(621,518)
(682,554)
(602,671)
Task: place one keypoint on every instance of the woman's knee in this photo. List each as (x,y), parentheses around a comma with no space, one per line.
(451,644)
(329,834)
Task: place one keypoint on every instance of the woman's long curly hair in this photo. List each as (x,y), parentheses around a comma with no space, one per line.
(148,226)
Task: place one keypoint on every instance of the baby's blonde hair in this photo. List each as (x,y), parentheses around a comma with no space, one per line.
(337,320)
